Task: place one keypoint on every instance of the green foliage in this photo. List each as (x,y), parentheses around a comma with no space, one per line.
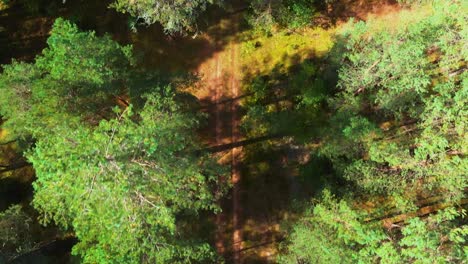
(397,131)
(411,2)
(72,79)
(15,233)
(119,185)
(335,232)
(128,181)
(287,82)
(174,16)
(283,13)
(273,106)
(81,58)
(400,108)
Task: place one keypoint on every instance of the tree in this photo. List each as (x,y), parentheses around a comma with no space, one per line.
(400,108)
(180,16)
(175,16)
(283,13)
(119,185)
(75,78)
(396,133)
(129,180)
(336,232)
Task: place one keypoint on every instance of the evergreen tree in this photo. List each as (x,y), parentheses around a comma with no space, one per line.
(400,107)
(335,232)
(396,133)
(128,181)
(174,16)
(281,13)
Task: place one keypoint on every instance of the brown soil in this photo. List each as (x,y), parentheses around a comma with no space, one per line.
(343,10)
(220,80)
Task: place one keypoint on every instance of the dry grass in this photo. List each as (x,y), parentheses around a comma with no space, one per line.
(392,18)
(262,54)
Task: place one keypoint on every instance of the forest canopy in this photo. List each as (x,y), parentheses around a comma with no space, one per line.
(283,131)
(174,16)
(113,175)
(181,16)
(397,131)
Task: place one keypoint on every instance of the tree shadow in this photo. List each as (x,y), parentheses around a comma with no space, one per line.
(21,36)
(282,173)
(23,32)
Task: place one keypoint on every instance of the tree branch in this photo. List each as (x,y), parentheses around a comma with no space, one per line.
(8,142)
(223,147)
(12,167)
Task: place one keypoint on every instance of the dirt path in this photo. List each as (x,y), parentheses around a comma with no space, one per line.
(213,82)
(219,83)
(235,155)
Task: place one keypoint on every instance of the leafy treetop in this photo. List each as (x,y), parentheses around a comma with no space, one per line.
(174,16)
(128,181)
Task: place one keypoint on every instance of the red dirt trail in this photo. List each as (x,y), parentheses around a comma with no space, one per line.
(220,80)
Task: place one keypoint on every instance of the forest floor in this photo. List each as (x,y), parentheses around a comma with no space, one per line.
(218,89)
(248,229)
